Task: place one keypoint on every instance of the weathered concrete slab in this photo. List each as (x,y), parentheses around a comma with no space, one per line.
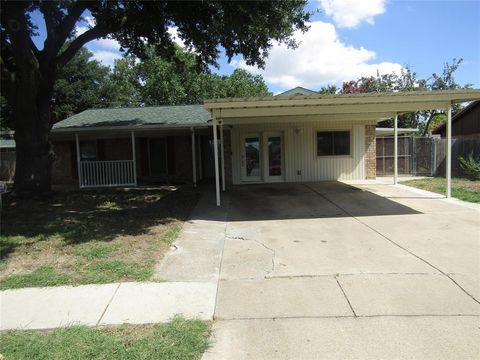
(246,259)
(334,245)
(425,338)
(399,294)
(197,253)
(141,303)
(46,308)
(277,298)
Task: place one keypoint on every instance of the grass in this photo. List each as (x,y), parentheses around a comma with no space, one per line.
(178,339)
(89,237)
(462,189)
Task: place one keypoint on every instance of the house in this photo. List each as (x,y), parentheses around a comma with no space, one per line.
(465,124)
(290,138)
(7,157)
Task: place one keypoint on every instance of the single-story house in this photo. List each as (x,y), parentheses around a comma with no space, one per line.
(7,157)
(465,124)
(284,138)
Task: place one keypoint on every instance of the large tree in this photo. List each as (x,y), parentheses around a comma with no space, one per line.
(28,73)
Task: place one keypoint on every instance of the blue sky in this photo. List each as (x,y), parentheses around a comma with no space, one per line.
(351,38)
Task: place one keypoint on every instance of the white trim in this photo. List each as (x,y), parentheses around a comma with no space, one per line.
(215,151)
(243,162)
(395,149)
(448,159)
(222,156)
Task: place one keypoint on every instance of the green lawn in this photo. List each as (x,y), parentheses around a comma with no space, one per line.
(462,189)
(178,339)
(89,237)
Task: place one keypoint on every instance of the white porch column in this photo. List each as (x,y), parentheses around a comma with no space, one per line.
(222,156)
(215,152)
(194,158)
(448,174)
(395,150)
(79,169)
(134,157)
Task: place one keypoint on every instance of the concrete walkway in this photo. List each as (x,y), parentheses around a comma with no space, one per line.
(187,285)
(333,271)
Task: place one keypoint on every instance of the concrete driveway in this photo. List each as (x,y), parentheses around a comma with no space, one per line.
(334,271)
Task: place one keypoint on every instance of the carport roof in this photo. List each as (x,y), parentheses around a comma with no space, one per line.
(373,106)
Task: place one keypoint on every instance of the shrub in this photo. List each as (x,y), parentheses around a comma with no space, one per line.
(470,167)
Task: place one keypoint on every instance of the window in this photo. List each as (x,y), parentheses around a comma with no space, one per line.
(88,150)
(333,143)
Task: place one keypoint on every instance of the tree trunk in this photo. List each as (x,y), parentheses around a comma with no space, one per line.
(32,115)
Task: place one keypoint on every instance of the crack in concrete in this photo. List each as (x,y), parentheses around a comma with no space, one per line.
(267,272)
(109,302)
(346,297)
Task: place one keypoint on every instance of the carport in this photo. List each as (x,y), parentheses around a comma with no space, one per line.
(276,112)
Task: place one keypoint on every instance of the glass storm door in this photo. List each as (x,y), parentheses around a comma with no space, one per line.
(251,158)
(274,157)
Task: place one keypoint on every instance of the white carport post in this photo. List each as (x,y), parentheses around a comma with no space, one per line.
(395,150)
(448,174)
(222,156)
(134,158)
(215,152)
(194,158)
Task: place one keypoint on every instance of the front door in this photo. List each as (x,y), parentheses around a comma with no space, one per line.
(274,170)
(158,157)
(251,158)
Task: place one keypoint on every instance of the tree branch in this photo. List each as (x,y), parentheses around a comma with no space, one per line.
(57,36)
(89,35)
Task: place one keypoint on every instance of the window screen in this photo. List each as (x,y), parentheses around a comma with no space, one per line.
(333,143)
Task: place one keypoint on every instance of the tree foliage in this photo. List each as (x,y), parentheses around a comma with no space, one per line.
(407,80)
(29,73)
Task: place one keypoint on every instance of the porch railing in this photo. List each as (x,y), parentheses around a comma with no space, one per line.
(107,173)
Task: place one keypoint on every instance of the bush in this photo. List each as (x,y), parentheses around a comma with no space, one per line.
(470,167)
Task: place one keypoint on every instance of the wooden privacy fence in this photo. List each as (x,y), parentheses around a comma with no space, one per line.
(423,156)
(107,173)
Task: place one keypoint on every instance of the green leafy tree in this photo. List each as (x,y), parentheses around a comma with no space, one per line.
(28,73)
(79,86)
(407,81)
(329,90)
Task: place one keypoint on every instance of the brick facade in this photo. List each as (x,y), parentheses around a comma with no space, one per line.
(370,152)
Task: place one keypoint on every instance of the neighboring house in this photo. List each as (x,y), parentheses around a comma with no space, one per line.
(7,159)
(465,124)
(289,138)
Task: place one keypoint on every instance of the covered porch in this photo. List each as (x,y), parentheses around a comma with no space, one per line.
(322,117)
(131,157)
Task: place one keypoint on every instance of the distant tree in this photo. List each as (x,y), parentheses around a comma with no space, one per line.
(158,81)
(80,86)
(407,81)
(329,90)
(28,73)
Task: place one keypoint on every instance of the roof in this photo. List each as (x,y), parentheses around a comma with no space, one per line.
(161,116)
(441,127)
(390,131)
(365,106)
(7,143)
(298,91)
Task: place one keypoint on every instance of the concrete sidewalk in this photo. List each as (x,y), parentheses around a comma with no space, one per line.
(188,286)
(108,304)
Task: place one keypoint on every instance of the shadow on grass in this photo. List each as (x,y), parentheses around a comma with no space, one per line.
(96,215)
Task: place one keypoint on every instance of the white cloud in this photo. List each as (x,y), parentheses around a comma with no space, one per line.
(350,13)
(106,57)
(173,32)
(321,58)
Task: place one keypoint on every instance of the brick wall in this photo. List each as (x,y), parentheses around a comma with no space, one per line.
(64,164)
(370,152)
